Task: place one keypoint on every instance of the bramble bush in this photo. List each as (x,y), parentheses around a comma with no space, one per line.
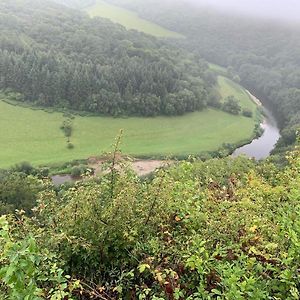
(27,271)
(221,229)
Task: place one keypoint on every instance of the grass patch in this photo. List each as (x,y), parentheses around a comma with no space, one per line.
(128,19)
(229,88)
(30,135)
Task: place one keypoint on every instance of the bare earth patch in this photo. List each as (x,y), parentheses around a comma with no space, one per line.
(140,167)
(145,167)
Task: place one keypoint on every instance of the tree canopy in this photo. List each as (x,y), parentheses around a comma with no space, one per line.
(57,56)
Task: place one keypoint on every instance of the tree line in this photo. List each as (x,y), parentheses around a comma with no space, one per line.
(55,56)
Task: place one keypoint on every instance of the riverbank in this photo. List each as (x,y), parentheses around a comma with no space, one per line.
(254,99)
(258,148)
(262,146)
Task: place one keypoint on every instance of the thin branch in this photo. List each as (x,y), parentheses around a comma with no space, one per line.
(98,295)
(155,198)
(113,164)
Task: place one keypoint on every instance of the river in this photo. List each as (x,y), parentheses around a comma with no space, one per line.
(261,147)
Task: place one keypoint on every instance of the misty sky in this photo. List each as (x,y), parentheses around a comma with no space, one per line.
(279,9)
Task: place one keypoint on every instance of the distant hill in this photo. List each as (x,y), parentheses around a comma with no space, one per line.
(128,18)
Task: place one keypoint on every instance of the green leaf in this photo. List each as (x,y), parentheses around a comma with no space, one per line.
(143,267)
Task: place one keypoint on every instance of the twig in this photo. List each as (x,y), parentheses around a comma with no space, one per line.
(155,198)
(96,292)
(113,164)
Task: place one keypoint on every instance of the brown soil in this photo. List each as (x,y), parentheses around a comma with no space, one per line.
(145,167)
(140,167)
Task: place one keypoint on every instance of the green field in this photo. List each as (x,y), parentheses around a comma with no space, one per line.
(34,135)
(128,19)
(228,88)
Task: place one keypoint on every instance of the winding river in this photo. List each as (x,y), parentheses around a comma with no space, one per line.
(261,147)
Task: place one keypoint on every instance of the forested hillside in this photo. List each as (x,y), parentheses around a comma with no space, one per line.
(264,54)
(55,56)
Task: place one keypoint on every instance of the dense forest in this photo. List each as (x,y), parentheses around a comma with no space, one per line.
(263,54)
(66,59)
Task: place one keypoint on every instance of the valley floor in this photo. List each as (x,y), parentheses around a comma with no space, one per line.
(35,135)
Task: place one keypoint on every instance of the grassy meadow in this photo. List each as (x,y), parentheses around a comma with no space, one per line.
(128,19)
(228,88)
(35,135)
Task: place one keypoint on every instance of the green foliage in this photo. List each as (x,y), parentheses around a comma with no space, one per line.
(77,171)
(224,228)
(247,113)
(24,167)
(70,145)
(28,272)
(231,105)
(18,191)
(67,127)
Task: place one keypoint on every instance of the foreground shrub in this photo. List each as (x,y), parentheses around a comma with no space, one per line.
(220,229)
(28,271)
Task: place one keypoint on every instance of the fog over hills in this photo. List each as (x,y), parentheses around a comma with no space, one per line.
(283,10)
(288,10)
